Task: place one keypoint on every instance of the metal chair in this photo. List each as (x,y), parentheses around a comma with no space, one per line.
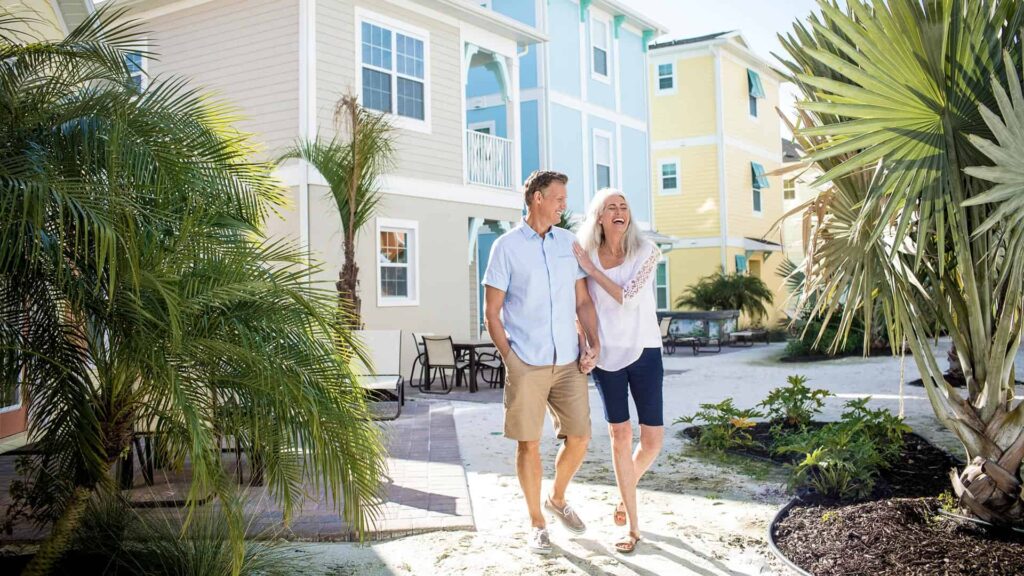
(491,368)
(668,340)
(440,358)
(421,359)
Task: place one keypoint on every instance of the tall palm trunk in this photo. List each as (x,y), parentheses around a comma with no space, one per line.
(348,283)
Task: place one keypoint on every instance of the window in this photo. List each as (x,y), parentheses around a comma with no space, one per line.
(754,268)
(759,181)
(484,127)
(136,69)
(599,42)
(393,71)
(757,200)
(668,172)
(666,78)
(661,286)
(754,91)
(741,263)
(10,393)
(789,189)
(602,160)
(397,281)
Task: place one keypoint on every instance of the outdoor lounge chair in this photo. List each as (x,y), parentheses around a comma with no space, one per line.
(382,378)
(441,357)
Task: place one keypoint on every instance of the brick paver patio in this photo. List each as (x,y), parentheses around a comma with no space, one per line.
(426,487)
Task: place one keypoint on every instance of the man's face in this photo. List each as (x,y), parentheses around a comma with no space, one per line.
(550,203)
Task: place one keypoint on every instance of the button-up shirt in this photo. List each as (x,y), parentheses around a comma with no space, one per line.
(538,275)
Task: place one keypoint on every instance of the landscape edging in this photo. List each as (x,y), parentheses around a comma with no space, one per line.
(771,538)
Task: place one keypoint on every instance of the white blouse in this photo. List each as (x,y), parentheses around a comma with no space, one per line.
(626,329)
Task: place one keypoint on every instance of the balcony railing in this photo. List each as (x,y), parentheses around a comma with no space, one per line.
(489,160)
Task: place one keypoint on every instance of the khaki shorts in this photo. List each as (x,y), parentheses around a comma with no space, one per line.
(528,389)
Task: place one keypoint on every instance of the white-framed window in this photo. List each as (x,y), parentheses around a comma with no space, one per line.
(661,286)
(397,262)
(666,78)
(137,69)
(759,182)
(393,73)
(756,200)
(789,189)
(489,127)
(10,395)
(602,160)
(755,90)
(668,176)
(600,48)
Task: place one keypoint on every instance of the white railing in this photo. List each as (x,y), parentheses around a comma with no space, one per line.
(489,160)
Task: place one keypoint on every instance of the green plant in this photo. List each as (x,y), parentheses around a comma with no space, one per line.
(137,287)
(735,291)
(923,215)
(829,516)
(795,404)
(838,462)
(352,163)
(948,503)
(885,429)
(722,425)
(565,221)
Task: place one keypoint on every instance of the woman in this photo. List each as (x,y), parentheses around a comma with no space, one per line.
(621,266)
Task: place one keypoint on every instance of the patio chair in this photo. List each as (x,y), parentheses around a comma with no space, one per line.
(441,358)
(382,378)
(491,368)
(668,340)
(421,359)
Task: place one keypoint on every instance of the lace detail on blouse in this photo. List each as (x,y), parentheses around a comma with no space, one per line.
(642,278)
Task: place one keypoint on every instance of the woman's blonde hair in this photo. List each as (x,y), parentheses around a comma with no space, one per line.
(591,234)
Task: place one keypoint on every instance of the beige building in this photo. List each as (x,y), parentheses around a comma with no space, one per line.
(716,139)
(285,63)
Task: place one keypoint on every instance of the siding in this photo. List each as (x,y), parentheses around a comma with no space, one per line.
(635,176)
(694,212)
(690,112)
(599,92)
(631,75)
(42,23)
(564,47)
(567,152)
(496,114)
(530,135)
(247,52)
(435,156)
(764,131)
(688,265)
(739,189)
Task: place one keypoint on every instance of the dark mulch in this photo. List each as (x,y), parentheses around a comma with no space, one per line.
(884,351)
(894,537)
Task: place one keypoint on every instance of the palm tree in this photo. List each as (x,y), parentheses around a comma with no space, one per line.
(352,167)
(719,291)
(923,218)
(136,286)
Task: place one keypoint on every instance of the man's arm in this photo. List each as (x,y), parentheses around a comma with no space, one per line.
(494,299)
(586,317)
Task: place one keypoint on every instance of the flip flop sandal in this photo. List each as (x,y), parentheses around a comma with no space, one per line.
(628,544)
(620,514)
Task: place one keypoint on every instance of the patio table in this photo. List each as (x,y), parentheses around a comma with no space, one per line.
(471,345)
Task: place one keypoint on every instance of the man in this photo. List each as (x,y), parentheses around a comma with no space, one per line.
(535,293)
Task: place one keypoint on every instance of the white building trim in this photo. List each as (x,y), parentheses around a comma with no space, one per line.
(705,140)
(723,197)
(588,108)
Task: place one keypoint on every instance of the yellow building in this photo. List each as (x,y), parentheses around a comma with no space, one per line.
(715,135)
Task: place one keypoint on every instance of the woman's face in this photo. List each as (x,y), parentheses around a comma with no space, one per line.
(614,215)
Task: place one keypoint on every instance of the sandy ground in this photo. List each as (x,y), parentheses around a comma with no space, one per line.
(697,517)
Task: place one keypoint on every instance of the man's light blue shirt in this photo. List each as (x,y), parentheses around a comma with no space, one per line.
(538,275)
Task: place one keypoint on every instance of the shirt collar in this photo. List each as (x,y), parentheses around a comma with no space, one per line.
(529,232)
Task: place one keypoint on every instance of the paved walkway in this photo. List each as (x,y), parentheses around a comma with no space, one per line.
(426,487)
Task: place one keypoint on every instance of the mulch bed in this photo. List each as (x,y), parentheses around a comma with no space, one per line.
(897,531)
(894,537)
(956,381)
(884,351)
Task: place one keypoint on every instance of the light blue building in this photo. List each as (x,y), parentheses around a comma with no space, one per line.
(583,97)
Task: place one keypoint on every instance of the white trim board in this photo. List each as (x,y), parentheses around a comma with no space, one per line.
(591,109)
(412,261)
(706,140)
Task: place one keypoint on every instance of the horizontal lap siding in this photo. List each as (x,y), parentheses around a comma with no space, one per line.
(245,52)
(435,156)
(694,211)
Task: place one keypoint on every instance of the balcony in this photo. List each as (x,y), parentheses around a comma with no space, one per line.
(490,160)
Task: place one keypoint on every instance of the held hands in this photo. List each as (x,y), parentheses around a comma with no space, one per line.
(583,258)
(588,359)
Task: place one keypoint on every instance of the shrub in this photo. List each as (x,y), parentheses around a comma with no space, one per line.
(723,426)
(794,405)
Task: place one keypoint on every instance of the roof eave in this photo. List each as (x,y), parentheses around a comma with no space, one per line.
(638,18)
(493,21)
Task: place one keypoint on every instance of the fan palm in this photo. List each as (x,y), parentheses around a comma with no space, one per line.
(352,163)
(136,286)
(923,216)
(743,292)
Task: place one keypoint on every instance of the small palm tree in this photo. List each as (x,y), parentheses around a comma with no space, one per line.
(719,291)
(352,163)
(137,289)
(924,218)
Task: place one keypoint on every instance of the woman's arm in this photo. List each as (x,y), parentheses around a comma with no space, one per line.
(624,295)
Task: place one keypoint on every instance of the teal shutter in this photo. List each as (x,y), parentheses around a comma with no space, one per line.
(757,175)
(741,263)
(754,84)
